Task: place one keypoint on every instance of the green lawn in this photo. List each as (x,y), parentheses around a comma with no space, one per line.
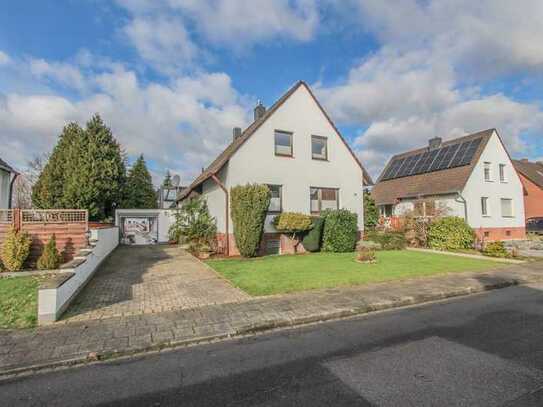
(283,274)
(18,302)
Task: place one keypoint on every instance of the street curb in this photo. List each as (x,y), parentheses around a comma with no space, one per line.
(264,326)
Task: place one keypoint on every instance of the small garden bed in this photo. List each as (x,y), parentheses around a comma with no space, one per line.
(287,273)
(18,302)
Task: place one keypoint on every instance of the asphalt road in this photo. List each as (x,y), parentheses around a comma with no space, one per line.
(484,350)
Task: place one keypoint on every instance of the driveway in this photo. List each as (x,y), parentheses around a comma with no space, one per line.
(149,279)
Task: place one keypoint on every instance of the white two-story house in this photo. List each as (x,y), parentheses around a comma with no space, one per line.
(295,149)
(471,177)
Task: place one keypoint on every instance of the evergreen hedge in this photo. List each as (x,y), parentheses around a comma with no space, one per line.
(340,231)
(50,258)
(313,239)
(249,204)
(15,250)
(450,233)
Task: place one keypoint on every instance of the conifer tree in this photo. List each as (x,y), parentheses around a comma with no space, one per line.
(139,191)
(371,212)
(48,191)
(97,172)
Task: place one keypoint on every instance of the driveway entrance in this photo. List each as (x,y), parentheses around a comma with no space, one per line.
(148,279)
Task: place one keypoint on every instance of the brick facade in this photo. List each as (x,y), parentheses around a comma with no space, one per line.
(533,198)
(495,234)
(285,244)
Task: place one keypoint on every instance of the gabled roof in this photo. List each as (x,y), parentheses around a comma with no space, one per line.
(231,149)
(6,167)
(532,171)
(450,180)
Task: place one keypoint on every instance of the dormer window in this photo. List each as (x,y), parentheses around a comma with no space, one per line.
(319,148)
(283,143)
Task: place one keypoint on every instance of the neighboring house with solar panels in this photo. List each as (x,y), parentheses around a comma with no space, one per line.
(7,177)
(472,177)
(295,149)
(531,176)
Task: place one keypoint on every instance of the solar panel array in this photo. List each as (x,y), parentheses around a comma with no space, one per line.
(451,156)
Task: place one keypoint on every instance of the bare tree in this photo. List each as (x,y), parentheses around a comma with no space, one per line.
(22,186)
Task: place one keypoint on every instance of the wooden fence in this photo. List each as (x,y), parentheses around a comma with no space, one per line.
(70,227)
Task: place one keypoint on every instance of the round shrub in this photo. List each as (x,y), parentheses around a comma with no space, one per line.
(496,249)
(340,231)
(450,233)
(15,250)
(50,258)
(312,240)
(249,204)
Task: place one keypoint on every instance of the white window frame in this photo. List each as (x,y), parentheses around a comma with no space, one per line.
(512,215)
(487,166)
(485,212)
(502,172)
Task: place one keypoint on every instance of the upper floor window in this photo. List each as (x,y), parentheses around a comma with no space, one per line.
(319,148)
(507,207)
(283,143)
(503,177)
(488,172)
(276,201)
(323,198)
(484,206)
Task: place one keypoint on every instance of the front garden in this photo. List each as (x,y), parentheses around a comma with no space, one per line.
(18,302)
(291,273)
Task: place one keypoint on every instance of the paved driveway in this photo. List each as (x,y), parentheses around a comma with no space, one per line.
(148,279)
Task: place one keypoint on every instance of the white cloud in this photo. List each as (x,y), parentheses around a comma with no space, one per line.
(419,84)
(62,73)
(4,58)
(181,125)
(163,42)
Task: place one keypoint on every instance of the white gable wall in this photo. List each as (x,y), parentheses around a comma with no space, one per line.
(477,187)
(255,162)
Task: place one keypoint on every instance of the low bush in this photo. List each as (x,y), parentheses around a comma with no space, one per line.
(292,224)
(249,204)
(50,258)
(450,233)
(313,239)
(340,231)
(496,249)
(194,225)
(368,244)
(388,240)
(366,255)
(15,250)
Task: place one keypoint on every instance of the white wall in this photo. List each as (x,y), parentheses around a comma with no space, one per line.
(5,178)
(53,301)
(216,200)
(477,187)
(255,162)
(165,218)
(450,203)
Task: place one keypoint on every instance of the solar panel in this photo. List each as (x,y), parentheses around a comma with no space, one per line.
(451,156)
(460,154)
(447,157)
(474,145)
(393,168)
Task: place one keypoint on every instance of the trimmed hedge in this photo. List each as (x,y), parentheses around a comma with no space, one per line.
(340,231)
(313,239)
(249,204)
(450,233)
(388,240)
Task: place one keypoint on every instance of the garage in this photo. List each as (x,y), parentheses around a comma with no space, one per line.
(144,226)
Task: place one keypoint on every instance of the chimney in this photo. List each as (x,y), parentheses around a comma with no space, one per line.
(434,143)
(236,132)
(259,110)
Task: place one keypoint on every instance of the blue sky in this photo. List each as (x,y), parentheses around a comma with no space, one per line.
(172,77)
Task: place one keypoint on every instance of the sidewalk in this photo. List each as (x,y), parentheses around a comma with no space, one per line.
(78,342)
